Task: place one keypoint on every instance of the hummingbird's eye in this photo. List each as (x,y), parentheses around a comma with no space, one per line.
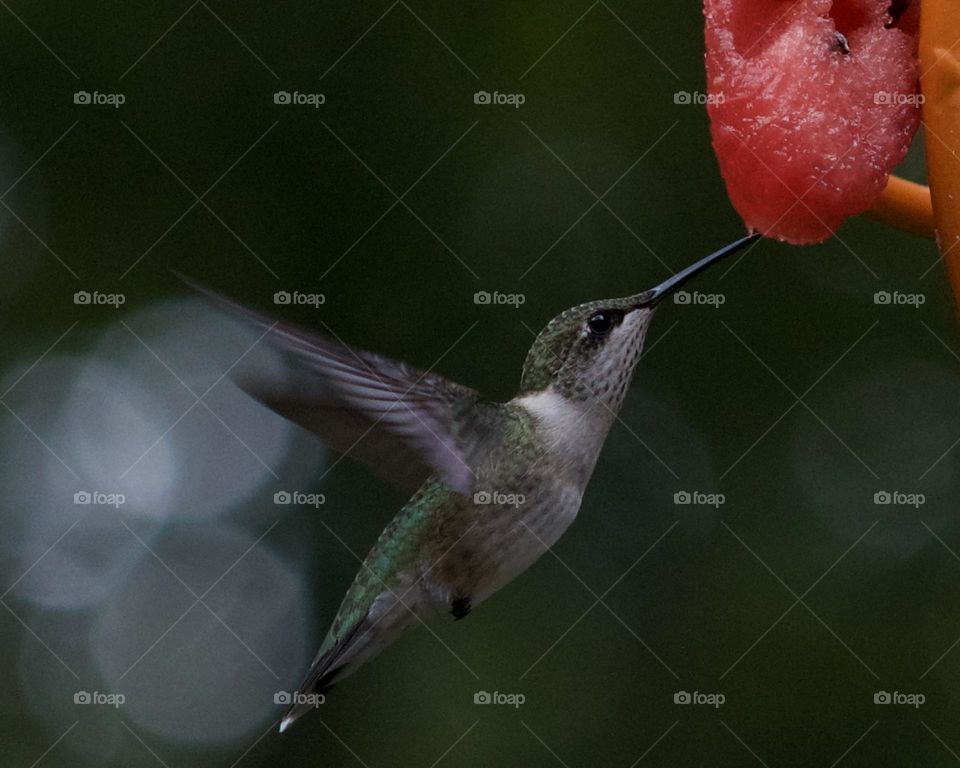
(601,322)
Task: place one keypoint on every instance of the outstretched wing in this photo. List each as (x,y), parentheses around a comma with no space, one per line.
(405,424)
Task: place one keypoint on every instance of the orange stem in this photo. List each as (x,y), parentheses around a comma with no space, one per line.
(905,205)
(940,85)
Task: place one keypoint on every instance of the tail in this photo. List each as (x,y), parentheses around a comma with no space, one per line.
(326,669)
(348,647)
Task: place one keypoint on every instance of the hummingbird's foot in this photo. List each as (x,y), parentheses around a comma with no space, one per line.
(460,606)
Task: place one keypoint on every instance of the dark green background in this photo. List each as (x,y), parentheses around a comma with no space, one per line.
(399,98)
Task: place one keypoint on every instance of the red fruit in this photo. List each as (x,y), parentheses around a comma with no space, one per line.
(812,101)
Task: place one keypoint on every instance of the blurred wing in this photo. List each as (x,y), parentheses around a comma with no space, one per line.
(403,423)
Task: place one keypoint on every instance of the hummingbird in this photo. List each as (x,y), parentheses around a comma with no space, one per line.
(494,484)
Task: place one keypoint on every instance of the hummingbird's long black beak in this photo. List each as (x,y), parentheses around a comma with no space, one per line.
(668,286)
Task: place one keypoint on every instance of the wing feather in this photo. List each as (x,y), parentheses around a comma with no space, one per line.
(404,423)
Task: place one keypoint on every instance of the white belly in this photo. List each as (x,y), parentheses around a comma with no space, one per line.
(528,537)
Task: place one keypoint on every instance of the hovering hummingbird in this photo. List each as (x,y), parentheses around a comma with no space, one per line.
(494,484)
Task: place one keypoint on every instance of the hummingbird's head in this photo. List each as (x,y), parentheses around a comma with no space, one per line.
(591,350)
